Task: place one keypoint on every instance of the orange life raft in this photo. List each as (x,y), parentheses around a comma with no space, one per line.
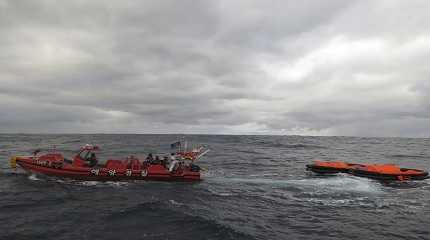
(323,167)
(375,171)
(389,172)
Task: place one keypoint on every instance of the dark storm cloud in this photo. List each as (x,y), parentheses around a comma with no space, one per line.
(265,67)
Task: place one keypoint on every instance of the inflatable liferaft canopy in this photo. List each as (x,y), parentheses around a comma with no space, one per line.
(323,167)
(389,172)
(374,171)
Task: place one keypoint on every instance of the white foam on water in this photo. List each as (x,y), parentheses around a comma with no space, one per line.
(173,202)
(212,173)
(362,202)
(264,175)
(117,184)
(341,183)
(219,193)
(100,184)
(33,177)
(88,183)
(342,190)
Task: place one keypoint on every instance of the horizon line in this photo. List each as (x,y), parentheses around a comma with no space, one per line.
(208,134)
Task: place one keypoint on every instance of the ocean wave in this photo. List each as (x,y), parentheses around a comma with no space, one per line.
(161,218)
(72,141)
(220,193)
(293,146)
(256,187)
(409,156)
(247,151)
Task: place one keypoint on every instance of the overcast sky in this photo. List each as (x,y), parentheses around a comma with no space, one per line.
(226,67)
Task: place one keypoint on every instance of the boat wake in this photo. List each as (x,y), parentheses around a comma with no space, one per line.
(340,190)
(340,183)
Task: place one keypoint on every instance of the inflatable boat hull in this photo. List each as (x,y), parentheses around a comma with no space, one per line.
(114,170)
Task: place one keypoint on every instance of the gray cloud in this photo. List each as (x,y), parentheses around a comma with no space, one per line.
(241,67)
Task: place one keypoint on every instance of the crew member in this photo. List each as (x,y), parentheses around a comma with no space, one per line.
(157,160)
(165,161)
(150,158)
(92,160)
(173,163)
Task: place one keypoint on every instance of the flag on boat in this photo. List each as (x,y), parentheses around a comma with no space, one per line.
(175,145)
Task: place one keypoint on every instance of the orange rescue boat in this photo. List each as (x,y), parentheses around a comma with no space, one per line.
(84,166)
